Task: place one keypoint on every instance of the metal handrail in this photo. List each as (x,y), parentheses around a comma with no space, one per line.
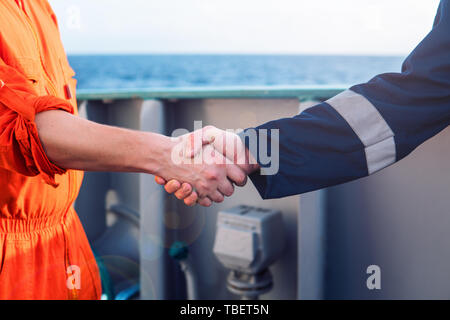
(237,92)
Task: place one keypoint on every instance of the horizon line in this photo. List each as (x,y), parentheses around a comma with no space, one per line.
(234,54)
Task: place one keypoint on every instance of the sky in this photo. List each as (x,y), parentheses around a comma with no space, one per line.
(350,27)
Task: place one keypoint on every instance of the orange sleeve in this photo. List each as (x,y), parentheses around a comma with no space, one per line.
(50,11)
(20,148)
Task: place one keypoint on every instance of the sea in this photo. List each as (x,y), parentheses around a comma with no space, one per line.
(112,72)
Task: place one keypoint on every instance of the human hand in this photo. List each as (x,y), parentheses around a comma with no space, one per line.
(215,174)
(227,144)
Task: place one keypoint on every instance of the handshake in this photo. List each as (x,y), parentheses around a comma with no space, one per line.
(205,165)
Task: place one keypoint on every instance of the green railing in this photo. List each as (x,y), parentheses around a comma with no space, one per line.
(302,93)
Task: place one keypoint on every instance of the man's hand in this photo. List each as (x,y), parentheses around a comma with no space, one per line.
(215,173)
(72,142)
(225,143)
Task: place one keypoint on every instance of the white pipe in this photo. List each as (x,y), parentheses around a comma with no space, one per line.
(191,279)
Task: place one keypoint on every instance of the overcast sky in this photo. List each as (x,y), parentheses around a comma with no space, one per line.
(376,27)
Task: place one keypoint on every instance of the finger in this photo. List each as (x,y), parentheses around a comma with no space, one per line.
(193,143)
(191,147)
(226,187)
(209,134)
(172,186)
(233,171)
(218,138)
(191,200)
(184,191)
(236,174)
(160,180)
(231,146)
(216,196)
(205,202)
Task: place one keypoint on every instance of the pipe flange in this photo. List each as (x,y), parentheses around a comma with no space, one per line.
(250,285)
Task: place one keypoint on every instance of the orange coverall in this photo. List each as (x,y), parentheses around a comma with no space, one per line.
(41,237)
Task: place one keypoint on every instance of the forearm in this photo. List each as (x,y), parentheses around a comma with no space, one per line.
(75,143)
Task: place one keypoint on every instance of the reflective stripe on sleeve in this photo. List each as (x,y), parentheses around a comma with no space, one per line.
(369,126)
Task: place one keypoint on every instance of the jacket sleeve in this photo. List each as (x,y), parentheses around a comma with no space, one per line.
(21,150)
(364,129)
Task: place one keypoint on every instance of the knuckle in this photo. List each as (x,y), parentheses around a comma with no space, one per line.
(212,174)
(205,202)
(189,203)
(202,189)
(209,127)
(186,189)
(179,196)
(203,186)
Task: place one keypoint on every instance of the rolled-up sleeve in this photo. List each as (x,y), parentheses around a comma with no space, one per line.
(21,150)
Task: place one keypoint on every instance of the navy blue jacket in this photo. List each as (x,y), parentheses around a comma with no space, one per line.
(366,128)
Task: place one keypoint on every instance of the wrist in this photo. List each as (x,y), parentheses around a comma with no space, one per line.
(156,153)
(251,165)
(248,162)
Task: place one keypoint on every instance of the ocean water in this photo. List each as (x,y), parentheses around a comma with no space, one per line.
(172,71)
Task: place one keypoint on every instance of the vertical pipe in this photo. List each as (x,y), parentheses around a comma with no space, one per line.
(152,208)
(311,241)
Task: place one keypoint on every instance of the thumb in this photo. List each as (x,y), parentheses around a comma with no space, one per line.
(193,145)
(209,134)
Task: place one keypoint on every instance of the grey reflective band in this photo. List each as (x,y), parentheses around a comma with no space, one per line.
(369,126)
(380,155)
